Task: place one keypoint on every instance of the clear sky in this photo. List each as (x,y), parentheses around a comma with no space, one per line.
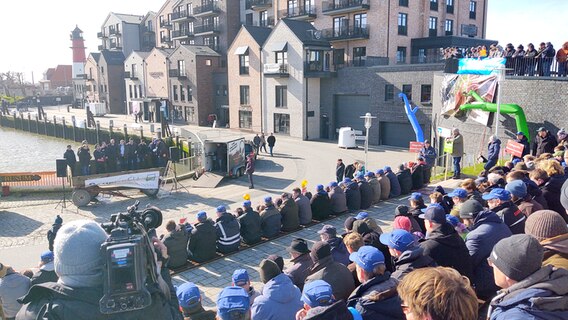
(35,33)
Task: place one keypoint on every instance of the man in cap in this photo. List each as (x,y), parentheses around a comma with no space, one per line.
(320,203)
(53,231)
(352,194)
(486,229)
(46,272)
(370,221)
(544,142)
(203,241)
(530,291)
(366,190)
(250,224)
(376,297)
(385,184)
(395,190)
(458,196)
(280,298)
(404,179)
(408,255)
(301,262)
(304,207)
(443,243)
(338,249)
(353,242)
(499,201)
(319,303)
(429,154)
(375,185)
(228,231)
(289,212)
(549,228)
(233,304)
(403,211)
(241,279)
(12,286)
(337,199)
(270,221)
(189,299)
(521,198)
(522,139)
(416,202)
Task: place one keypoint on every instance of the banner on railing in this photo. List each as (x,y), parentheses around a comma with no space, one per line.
(139,180)
(480,66)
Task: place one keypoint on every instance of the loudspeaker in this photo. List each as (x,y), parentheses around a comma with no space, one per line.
(174,154)
(61,165)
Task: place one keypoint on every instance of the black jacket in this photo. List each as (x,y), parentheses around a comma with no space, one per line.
(271,140)
(544,145)
(377,299)
(250,226)
(353,196)
(512,216)
(336,311)
(350,171)
(203,241)
(405,181)
(551,192)
(84,156)
(416,212)
(228,233)
(339,171)
(372,238)
(334,273)
(448,249)
(417,177)
(270,221)
(367,194)
(321,206)
(69,156)
(411,260)
(43,276)
(290,215)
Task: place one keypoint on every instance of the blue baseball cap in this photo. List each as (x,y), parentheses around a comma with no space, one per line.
(367,258)
(415,196)
(47,256)
(247,203)
(434,213)
(370,174)
(319,187)
(398,239)
(201,215)
(333,184)
(498,193)
(221,209)
(517,188)
(453,220)
(360,175)
(380,172)
(240,277)
(520,133)
(188,295)
(232,301)
(267,199)
(361,215)
(346,180)
(458,193)
(387,168)
(317,293)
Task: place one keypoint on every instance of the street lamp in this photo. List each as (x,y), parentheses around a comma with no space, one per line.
(368,122)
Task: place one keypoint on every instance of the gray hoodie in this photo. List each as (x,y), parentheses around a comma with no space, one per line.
(12,287)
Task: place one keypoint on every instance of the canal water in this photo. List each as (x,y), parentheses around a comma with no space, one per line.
(24,151)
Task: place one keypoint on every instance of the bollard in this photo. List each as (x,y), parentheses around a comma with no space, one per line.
(74,127)
(98,130)
(125,129)
(63,127)
(55,126)
(85,131)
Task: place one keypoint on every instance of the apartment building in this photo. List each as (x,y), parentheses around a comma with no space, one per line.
(135,80)
(148,32)
(121,32)
(259,13)
(105,80)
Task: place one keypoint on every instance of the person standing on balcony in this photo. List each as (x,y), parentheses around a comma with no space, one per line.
(562,59)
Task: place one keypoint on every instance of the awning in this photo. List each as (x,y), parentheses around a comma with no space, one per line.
(279,46)
(241,50)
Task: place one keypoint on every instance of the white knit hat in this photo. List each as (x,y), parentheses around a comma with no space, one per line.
(78,261)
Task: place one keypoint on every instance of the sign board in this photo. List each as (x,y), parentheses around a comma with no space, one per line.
(444,132)
(448,146)
(514,148)
(18,177)
(139,180)
(415,146)
(360,138)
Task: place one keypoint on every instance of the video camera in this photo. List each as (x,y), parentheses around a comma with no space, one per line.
(129,264)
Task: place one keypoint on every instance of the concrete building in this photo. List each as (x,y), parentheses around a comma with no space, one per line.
(121,32)
(105,80)
(244,60)
(260,13)
(135,80)
(164,25)
(148,32)
(156,80)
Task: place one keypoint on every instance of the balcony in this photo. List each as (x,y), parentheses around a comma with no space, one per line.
(182,34)
(346,33)
(113,32)
(115,46)
(147,30)
(269,22)
(101,35)
(299,13)
(317,69)
(259,4)
(131,76)
(181,15)
(166,39)
(276,70)
(166,24)
(206,10)
(213,46)
(175,73)
(101,47)
(344,6)
(207,29)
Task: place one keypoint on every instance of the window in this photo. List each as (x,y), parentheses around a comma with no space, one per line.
(134,70)
(426,93)
(389,92)
(403,3)
(472,9)
(130,91)
(401,55)
(190,9)
(338,57)
(281,123)
(135,92)
(181,68)
(181,93)
(432,26)
(407,90)
(245,119)
(359,56)
(421,55)
(263,18)
(175,92)
(282,57)
(340,26)
(102,70)
(360,21)
(450,6)
(281,96)
(449,27)
(249,19)
(244,63)
(245,95)
(434,5)
(208,62)
(189,94)
(140,90)
(402,24)
(217,90)
(225,91)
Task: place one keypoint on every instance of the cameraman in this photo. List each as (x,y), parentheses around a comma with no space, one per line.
(76,295)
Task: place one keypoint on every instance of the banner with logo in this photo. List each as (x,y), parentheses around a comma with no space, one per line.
(454,91)
(480,66)
(514,148)
(138,180)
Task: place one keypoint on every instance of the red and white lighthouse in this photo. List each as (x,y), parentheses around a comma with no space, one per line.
(78,47)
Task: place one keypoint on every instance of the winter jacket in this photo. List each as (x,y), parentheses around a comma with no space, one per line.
(339,171)
(12,287)
(271,140)
(366,194)
(512,216)
(448,249)
(51,234)
(457,150)
(69,156)
(202,314)
(336,311)
(405,180)
(544,145)
(415,213)
(176,242)
(528,206)
(338,200)
(250,226)
(290,218)
(551,192)
(395,190)
(535,192)
(353,196)
(542,295)
(339,251)
(417,175)
(280,299)
(487,230)
(372,238)
(299,270)
(321,206)
(385,187)
(334,273)
(410,260)
(377,299)
(84,156)
(304,209)
(270,221)
(376,186)
(493,149)
(349,171)
(46,273)
(429,154)
(203,241)
(527,149)
(228,233)
(56,301)
(556,251)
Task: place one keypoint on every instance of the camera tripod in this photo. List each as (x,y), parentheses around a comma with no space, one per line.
(63,202)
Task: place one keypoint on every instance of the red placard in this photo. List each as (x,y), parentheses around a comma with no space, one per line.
(514,148)
(415,146)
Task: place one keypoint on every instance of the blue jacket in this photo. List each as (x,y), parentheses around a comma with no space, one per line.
(493,150)
(353,196)
(395,185)
(487,230)
(280,299)
(339,251)
(543,295)
(429,155)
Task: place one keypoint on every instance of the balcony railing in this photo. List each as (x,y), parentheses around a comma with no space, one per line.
(276,69)
(101,35)
(344,6)
(346,33)
(258,4)
(165,24)
(101,47)
(206,28)
(113,32)
(182,34)
(214,47)
(166,39)
(269,22)
(129,75)
(180,15)
(299,13)
(206,9)
(175,73)
(115,46)
(146,29)
(317,69)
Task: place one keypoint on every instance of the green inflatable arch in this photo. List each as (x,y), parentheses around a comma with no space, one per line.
(514,109)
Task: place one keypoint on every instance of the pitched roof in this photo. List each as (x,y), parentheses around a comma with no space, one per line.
(96,56)
(200,50)
(129,18)
(259,34)
(113,57)
(305,31)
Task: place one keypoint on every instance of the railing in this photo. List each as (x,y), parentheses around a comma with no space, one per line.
(101,35)
(206,28)
(166,39)
(275,68)
(353,32)
(328,6)
(146,29)
(214,47)
(266,23)
(113,32)
(182,33)
(258,3)
(165,24)
(209,7)
(298,12)
(179,15)
(175,73)
(316,66)
(537,67)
